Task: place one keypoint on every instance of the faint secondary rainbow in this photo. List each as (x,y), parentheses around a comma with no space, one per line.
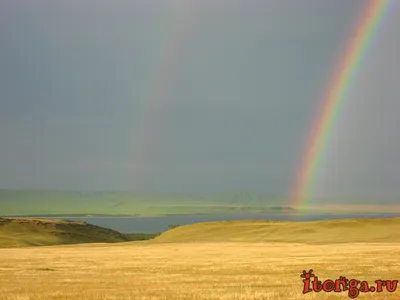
(335,96)
(175,29)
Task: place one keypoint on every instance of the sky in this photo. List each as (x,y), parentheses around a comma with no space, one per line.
(192,96)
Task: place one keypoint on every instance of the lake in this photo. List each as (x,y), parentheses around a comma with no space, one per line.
(159,224)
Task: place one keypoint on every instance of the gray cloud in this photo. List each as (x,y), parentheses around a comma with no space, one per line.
(83,104)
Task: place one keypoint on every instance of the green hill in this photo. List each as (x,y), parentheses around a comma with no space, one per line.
(40,232)
(316,232)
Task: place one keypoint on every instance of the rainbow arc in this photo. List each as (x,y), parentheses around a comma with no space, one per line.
(335,97)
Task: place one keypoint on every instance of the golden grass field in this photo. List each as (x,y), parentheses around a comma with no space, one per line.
(197,268)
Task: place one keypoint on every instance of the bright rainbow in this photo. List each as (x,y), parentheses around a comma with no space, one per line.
(336,93)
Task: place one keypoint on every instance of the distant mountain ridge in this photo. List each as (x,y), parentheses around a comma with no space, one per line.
(53,203)
(38,202)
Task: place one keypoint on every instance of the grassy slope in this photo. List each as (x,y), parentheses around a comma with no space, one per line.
(317,232)
(35,232)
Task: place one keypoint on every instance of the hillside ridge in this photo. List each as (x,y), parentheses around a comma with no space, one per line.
(19,232)
(310,232)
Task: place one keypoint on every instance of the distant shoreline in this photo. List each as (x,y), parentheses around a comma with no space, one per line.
(138,216)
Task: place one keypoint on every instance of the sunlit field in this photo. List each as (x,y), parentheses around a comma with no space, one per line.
(148,270)
(199,150)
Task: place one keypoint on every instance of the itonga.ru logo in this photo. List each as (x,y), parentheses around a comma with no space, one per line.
(353,287)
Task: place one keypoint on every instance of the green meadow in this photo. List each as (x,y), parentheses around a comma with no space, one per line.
(33,202)
(58,203)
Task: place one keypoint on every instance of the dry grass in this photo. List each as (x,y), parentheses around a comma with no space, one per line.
(148,270)
(316,232)
(219,260)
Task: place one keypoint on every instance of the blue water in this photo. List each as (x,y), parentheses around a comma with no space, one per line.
(159,224)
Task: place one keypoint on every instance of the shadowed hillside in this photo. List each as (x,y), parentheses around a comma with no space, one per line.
(38,232)
(317,232)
